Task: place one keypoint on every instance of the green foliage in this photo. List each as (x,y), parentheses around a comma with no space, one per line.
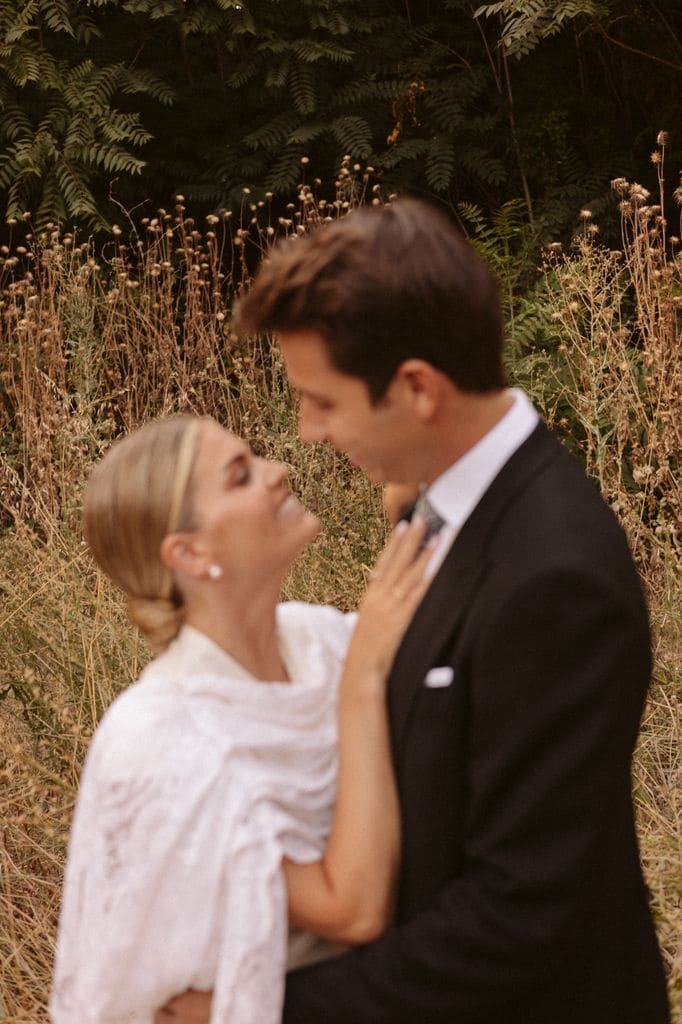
(60,131)
(525,23)
(509,247)
(425,93)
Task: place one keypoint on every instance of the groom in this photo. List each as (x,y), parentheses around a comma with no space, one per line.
(516,696)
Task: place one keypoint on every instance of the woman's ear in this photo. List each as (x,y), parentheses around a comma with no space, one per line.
(179,552)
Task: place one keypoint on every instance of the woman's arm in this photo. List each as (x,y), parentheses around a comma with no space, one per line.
(348,894)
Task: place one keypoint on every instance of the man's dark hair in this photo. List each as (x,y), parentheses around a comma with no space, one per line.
(382,285)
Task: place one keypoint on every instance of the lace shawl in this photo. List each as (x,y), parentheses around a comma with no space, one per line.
(198,780)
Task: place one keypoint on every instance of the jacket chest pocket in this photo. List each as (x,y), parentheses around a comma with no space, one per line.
(434,738)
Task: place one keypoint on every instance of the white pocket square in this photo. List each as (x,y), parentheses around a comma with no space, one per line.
(438,677)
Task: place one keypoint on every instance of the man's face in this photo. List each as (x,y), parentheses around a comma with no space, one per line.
(336,407)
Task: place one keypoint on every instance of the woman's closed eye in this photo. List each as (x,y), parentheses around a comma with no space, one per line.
(242,478)
(238,472)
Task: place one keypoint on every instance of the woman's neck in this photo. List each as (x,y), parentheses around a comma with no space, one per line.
(244,625)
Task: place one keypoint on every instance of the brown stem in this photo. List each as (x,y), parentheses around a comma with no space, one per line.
(517,151)
(493,68)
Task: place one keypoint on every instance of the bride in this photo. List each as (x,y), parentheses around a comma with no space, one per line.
(204,853)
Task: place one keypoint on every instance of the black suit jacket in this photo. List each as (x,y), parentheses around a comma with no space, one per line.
(520,899)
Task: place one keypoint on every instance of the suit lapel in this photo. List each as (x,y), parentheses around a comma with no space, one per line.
(440,614)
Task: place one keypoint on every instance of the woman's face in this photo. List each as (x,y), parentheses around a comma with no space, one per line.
(246,519)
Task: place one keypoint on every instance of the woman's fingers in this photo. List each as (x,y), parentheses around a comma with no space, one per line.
(401,549)
(400,580)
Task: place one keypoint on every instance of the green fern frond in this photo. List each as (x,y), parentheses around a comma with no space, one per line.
(285,171)
(57,16)
(510,219)
(403,151)
(367,90)
(272,134)
(310,51)
(353,134)
(332,21)
(306,133)
(302,85)
(278,73)
(440,163)
(133,81)
(15,24)
(153,9)
(242,74)
(481,165)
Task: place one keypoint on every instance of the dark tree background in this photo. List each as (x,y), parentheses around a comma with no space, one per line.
(542,101)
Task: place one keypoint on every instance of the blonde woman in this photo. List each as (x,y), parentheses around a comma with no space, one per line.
(204,816)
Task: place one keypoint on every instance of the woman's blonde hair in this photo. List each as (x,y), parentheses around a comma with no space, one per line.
(136,495)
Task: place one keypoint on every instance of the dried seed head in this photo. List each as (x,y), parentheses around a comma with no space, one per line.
(662,139)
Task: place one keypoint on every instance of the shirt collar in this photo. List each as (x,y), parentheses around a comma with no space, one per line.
(457,491)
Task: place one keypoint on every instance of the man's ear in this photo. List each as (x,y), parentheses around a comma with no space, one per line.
(423,385)
(179,552)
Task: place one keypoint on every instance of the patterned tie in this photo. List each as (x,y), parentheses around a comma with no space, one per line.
(434,522)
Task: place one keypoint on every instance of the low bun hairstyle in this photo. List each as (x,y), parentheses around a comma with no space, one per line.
(137,494)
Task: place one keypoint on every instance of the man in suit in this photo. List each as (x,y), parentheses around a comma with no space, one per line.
(516,695)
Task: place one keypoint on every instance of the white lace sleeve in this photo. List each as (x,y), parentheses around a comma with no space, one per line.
(173,881)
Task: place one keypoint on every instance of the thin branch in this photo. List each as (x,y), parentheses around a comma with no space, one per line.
(671,30)
(512,125)
(494,70)
(633,49)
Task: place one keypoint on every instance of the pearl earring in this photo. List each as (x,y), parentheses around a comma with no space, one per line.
(214,571)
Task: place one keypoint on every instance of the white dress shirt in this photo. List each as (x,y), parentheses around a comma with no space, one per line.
(456,492)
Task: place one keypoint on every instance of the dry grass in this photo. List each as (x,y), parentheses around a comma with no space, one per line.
(91,344)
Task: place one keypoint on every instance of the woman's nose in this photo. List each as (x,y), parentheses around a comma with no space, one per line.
(276,473)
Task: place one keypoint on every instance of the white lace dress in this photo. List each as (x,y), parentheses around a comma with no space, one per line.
(198,780)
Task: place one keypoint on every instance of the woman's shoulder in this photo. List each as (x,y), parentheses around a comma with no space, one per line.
(300,616)
(319,625)
(145,731)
